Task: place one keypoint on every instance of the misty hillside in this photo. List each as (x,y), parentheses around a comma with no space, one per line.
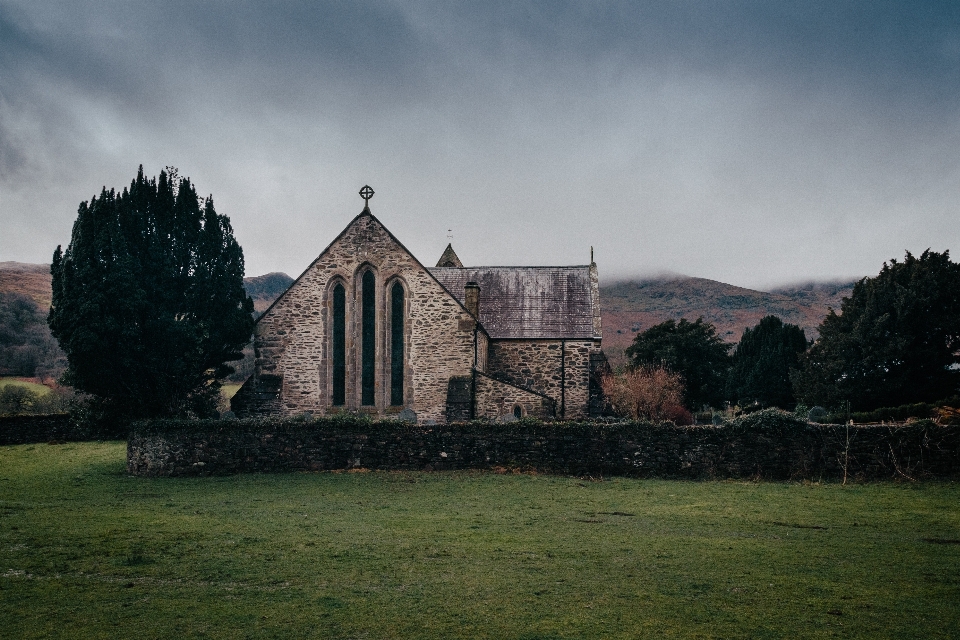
(628,307)
(31,280)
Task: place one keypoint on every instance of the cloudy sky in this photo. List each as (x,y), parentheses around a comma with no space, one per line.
(756,143)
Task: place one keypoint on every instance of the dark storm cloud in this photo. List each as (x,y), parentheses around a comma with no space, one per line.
(122,48)
(144,56)
(885,45)
(657,125)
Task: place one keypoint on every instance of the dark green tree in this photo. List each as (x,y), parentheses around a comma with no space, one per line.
(896,340)
(691,349)
(148,299)
(761,364)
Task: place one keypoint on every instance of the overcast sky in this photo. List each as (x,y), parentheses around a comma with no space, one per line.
(756,143)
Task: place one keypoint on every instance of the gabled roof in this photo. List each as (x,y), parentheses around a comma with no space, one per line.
(449,258)
(528,302)
(366,212)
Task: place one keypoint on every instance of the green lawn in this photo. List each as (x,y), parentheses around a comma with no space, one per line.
(86,551)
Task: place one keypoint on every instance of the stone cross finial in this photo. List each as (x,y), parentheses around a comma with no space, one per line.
(366,193)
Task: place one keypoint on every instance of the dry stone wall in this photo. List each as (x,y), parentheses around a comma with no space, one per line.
(764,447)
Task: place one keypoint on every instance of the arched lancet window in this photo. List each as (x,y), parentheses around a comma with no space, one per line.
(339,345)
(368,302)
(396,344)
(517,411)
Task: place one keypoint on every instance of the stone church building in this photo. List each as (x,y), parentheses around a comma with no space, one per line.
(367,328)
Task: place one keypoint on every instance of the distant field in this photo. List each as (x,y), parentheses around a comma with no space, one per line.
(36,388)
(89,552)
(228,390)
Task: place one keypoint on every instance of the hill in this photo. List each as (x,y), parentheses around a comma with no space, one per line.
(632,306)
(31,280)
(628,306)
(265,289)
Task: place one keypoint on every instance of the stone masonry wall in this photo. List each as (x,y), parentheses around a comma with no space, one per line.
(496,399)
(292,339)
(786,450)
(536,365)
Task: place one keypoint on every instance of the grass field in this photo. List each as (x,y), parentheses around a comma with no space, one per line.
(86,551)
(39,389)
(228,389)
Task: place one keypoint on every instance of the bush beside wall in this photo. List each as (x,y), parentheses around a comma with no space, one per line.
(769,444)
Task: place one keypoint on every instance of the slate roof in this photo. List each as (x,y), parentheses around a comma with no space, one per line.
(528,302)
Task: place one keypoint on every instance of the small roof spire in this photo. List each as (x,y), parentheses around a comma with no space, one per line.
(449,258)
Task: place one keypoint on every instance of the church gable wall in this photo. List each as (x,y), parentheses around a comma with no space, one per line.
(293,339)
(536,365)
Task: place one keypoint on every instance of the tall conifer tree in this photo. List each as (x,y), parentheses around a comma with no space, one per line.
(761,364)
(148,299)
(896,340)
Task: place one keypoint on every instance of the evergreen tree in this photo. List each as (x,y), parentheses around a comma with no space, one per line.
(691,349)
(761,364)
(896,340)
(148,299)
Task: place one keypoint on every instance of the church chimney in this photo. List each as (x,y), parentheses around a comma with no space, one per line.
(471,297)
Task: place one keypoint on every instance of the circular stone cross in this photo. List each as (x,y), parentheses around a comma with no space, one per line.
(366,193)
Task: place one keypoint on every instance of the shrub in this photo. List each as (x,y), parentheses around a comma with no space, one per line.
(16,399)
(677,414)
(646,393)
(771,421)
